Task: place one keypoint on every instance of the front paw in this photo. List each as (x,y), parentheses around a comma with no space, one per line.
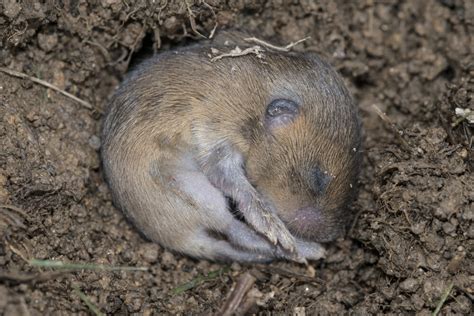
(310,250)
(305,250)
(260,216)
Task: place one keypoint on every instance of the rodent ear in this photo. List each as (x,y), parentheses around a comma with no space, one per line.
(281,112)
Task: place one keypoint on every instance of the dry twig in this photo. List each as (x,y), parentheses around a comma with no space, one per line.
(244,283)
(192,21)
(134,47)
(290,274)
(257,49)
(236,52)
(253,298)
(47,85)
(18,252)
(102,50)
(286,48)
(211,35)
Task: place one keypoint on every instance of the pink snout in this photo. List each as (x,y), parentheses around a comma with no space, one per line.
(313,224)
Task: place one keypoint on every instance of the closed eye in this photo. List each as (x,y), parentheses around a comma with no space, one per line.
(281,112)
(320,180)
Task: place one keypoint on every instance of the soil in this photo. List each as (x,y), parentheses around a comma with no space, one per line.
(411,248)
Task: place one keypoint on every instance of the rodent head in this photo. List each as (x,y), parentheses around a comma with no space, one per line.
(304,141)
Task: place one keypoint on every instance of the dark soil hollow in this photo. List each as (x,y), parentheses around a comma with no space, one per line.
(414,235)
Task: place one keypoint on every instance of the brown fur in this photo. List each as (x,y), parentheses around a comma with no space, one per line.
(180,103)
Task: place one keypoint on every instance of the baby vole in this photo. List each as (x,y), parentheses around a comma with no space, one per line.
(277,137)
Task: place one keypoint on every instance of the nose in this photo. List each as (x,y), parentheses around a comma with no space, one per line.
(313,224)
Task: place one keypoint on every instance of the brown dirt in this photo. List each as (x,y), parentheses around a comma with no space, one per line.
(415,230)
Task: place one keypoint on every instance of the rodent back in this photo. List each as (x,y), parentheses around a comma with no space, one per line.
(312,160)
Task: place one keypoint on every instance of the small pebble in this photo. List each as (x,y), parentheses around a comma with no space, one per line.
(150,252)
(168,259)
(409,285)
(235,266)
(275,278)
(94,142)
(134,302)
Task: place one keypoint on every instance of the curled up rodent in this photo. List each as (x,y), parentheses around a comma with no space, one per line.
(249,158)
